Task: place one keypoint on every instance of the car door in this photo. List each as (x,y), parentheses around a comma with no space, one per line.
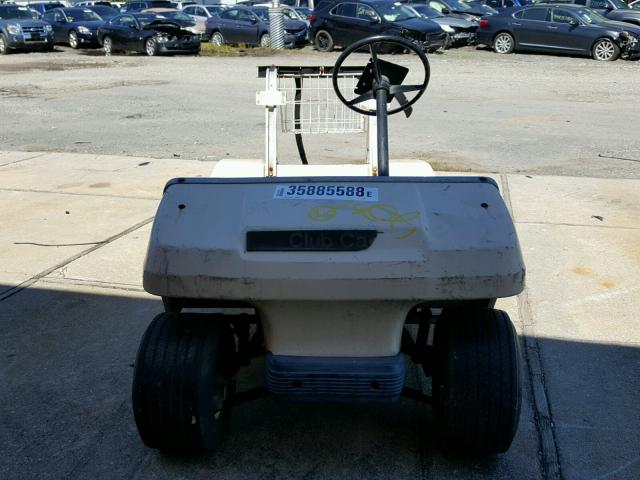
(343,19)
(113,30)
(568,32)
(59,27)
(531,27)
(131,35)
(226,24)
(368,22)
(247,27)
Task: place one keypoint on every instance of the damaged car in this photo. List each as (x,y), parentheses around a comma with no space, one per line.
(343,23)
(559,28)
(459,31)
(147,33)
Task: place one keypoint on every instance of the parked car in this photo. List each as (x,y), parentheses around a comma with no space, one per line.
(42,7)
(612,9)
(456,7)
(176,16)
(105,13)
(499,5)
(459,31)
(146,33)
(559,28)
(19,30)
(137,6)
(250,25)
(76,26)
(93,4)
(342,23)
(201,13)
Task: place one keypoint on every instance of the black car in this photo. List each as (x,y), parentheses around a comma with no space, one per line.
(136,6)
(76,26)
(559,28)
(499,5)
(612,9)
(105,12)
(250,25)
(345,22)
(468,11)
(20,30)
(459,31)
(147,33)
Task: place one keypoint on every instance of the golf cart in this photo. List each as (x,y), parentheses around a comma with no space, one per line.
(336,279)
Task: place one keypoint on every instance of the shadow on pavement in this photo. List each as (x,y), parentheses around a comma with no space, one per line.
(66,367)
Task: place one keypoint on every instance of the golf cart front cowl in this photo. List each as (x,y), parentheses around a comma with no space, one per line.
(433,238)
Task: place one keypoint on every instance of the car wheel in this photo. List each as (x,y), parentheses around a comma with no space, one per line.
(605,50)
(265,41)
(151,47)
(73,39)
(324,41)
(181,389)
(4,48)
(107,45)
(504,43)
(476,379)
(217,39)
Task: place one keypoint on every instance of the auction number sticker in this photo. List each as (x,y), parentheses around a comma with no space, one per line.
(326,192)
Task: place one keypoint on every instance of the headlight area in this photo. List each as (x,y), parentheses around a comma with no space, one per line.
(628,43)
(48,28)
(84,30)
(14,29)
(162,38)
(447,28)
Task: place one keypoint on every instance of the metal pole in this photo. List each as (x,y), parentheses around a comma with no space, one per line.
(276,25)
(383,132)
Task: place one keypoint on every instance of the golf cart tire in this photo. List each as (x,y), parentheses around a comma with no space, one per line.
(178,372)
(476,380)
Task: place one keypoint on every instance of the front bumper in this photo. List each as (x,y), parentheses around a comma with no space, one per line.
(630,48)
(292,40)
(25,41)
(90,38)
(180,45)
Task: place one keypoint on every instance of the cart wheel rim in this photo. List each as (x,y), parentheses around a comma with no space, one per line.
(73,40)
(265,41)
(151,47)
(604,50)
(503,43)
(216,39)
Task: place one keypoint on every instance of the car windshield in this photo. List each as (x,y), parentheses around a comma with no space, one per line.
(394,12)
(589,16)
(181,16)
(303,12)
(262,13)
(82,16)
(619,4)
(15,12)
(426,11)
(457,6)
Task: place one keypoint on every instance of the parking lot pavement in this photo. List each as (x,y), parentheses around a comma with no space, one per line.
(70,327)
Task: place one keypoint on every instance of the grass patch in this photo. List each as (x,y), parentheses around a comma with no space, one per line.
(210,50)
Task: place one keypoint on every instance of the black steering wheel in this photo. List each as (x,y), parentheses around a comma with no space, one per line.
(382,75)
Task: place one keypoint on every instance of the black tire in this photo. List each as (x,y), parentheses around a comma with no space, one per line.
(323,41)
(476,380)
(73,40)
(4,46)
(265,40)
(605,50)
(504,43)
(179,388)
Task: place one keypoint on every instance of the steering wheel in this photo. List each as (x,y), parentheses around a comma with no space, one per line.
(384,75)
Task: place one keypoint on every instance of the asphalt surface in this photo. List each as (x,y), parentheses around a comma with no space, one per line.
(535,114)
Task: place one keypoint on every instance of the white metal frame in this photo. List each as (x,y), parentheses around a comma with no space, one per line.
(275,97)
